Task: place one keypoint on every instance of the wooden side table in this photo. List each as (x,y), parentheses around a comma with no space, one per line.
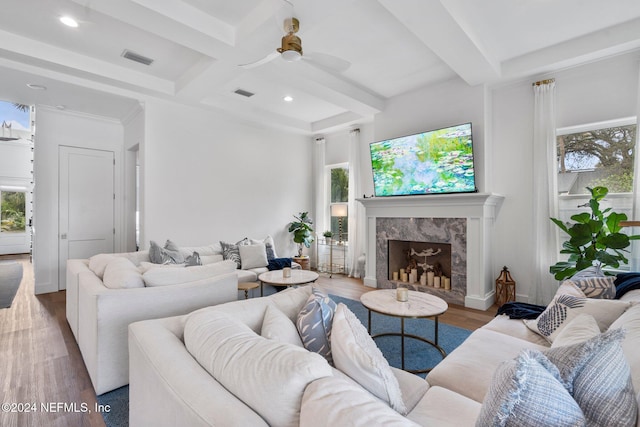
(303,261)
(246,287)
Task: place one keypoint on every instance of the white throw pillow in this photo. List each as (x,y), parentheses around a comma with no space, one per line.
(580,329)
(278,327)
(269,245)
(564,308)
(174,276)
(98,263)
(268,376)
(253,256)
(356,354)
(120,273)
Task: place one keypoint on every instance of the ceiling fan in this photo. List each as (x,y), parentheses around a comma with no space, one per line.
(291,51)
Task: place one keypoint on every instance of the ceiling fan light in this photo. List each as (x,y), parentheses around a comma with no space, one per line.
(291,55)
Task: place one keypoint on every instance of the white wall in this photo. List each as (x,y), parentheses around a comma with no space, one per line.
(56,128)
(502,120)
(207,177)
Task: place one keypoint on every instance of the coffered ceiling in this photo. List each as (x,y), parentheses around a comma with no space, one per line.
(356,53)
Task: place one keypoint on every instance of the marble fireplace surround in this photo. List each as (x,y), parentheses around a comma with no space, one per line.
(478,209)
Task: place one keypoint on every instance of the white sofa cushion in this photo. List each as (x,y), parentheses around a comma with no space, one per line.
(98,263)
(146,266)
(174,276)
(120,273)
(438,405)
(580,329)
(253,256)
(268,376)
(277,326)
(356,354)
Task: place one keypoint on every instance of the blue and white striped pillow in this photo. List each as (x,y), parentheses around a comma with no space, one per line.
(314,324)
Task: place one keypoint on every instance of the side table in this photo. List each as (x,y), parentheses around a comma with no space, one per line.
(303,261)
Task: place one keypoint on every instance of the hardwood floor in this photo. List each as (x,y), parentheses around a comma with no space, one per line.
(42,365)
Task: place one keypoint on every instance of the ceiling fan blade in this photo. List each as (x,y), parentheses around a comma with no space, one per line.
(329,62)
(270,57)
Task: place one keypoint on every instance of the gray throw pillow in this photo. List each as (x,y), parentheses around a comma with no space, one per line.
(599,378)
(169,254)
(528,392)
(231,252)
(596,287)
(314,324)
(193,259)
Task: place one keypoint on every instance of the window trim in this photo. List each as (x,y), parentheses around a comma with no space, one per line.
(625,121)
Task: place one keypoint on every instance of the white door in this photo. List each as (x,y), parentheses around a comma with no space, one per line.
(86,205)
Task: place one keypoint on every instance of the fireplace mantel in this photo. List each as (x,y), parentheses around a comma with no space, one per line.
(479,209)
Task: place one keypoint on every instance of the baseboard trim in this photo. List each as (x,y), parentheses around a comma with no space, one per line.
(479,303)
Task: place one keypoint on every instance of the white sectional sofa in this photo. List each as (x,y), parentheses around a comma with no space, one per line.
(172,384)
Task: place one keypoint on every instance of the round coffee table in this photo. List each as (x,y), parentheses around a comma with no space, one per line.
(276,278)
(419,305)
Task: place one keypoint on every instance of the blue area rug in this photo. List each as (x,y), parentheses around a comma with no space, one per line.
(418,355)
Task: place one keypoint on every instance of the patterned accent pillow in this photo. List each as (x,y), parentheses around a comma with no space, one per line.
(356,354)
(193,259)
(314,324)
(528,392)
(596,287)
(599,378)
(231,251)
(564,308)
(170,254)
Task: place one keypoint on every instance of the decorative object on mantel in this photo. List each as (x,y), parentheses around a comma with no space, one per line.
(595,238)
(302,231)
(505,287)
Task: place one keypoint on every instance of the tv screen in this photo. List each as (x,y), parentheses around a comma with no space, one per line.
(434,162)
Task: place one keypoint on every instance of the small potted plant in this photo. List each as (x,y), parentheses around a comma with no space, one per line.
(327,236)
(302,231)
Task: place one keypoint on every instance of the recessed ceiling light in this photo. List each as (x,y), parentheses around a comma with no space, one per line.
(288,98)
(35,86)
(69,21)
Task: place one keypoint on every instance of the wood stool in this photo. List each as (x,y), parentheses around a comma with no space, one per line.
(246,287)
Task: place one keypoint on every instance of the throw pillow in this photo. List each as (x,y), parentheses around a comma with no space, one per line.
(253,256)
(563,308)
(175,276)
(314,324)
(270,246)
(596,287)
(169,254)
(528,392)
(599,378)
(98,263)
(193,259)
(277,326)
(231,251)
(121,273)
(356,354)
(146,266)
(593,271)
(580,329)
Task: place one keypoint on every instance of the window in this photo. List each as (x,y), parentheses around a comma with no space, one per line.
(339,197)
(12,212)
(597,154)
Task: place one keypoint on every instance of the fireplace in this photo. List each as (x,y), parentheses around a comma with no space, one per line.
(429,252)
(465,221)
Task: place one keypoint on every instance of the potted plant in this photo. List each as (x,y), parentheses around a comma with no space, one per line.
(595,238)
(302,231)
(328,235)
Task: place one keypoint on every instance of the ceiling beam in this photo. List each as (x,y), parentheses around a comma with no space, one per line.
(440,31)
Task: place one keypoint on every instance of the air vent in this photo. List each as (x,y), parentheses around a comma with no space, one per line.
(244,93)
(136,57)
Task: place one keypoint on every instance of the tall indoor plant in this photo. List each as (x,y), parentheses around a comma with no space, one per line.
(302,231)
(595,238)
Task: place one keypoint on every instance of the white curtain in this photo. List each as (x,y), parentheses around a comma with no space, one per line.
(634,258)
(320,213)
(545,192)
(356,210)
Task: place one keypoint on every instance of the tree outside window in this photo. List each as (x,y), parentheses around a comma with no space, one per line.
(12,212)
(339,184)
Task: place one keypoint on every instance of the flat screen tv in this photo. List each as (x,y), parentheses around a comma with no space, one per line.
(434,162)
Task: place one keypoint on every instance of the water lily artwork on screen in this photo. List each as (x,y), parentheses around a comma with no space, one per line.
(438,161)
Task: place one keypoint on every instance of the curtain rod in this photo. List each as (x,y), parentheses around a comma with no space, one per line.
(543,82)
